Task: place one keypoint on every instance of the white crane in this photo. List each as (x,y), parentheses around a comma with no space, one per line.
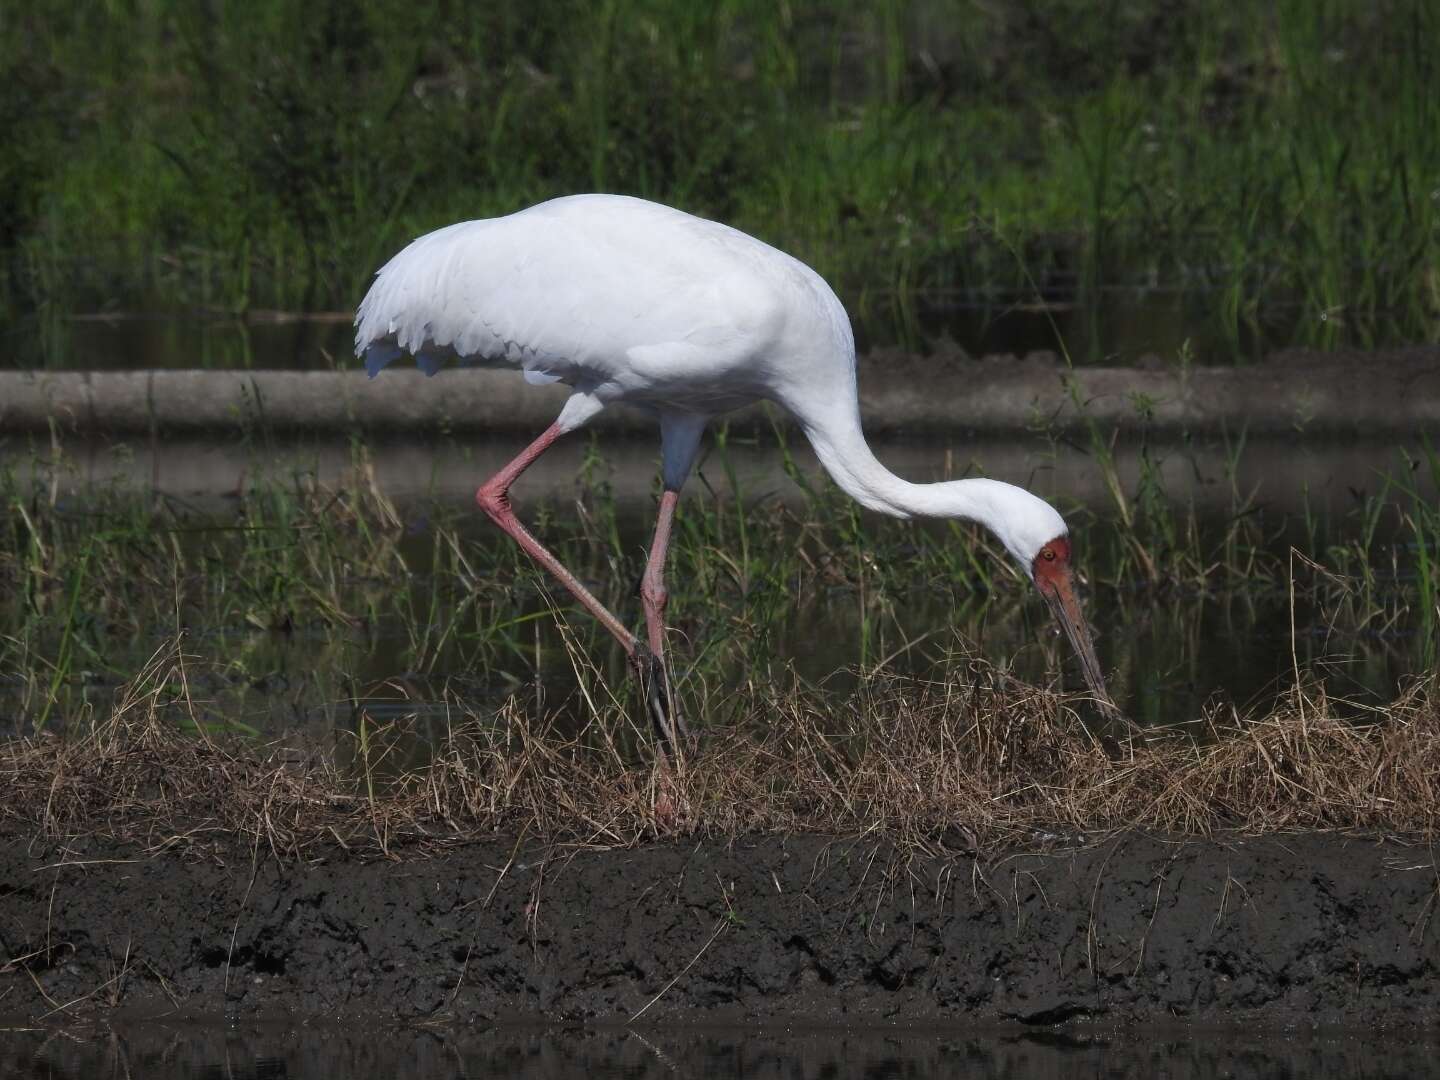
(627,300)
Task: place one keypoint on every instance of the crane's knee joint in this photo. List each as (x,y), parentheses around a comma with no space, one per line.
(495,501)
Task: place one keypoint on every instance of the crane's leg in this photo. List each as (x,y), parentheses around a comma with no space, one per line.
(494,499)
(680,435)
(653,598)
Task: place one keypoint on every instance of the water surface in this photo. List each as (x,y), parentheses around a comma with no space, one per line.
(247,1052)
(1119,324)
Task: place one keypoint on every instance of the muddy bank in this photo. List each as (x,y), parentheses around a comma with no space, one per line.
(1308,928)
(1295,391)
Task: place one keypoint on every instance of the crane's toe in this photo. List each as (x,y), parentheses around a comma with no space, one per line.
(659,698)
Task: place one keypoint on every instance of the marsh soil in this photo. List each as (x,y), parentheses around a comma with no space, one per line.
(1305,928)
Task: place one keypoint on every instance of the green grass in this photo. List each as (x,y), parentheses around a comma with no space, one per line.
(312,603)
(1276,161)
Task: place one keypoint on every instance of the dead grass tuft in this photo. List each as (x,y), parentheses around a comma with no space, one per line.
(907,759)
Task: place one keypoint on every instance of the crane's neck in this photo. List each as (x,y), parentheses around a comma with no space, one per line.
(840,444)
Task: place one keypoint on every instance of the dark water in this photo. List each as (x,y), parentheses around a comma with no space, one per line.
(312,1053)
(137,341)
(1119,325)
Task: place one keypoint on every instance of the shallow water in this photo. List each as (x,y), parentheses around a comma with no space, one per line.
(1169,653)
(244,1052)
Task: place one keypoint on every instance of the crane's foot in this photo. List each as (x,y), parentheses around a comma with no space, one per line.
(670,730)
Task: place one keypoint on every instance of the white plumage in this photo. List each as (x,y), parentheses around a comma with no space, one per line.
(627,300)
(619,298)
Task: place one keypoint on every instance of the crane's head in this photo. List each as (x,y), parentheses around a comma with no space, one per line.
(1037,536)
(1054,576)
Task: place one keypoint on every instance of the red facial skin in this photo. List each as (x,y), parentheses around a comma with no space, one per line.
(1055,579)
(1052,566)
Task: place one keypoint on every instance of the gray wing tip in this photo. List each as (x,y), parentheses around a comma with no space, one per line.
(379,356)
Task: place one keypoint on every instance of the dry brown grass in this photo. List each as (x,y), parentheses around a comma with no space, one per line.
(914,761)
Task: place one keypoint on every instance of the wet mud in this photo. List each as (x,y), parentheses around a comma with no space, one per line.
(1313,929)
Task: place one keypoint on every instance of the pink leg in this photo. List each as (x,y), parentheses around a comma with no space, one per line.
(494,499)
(653,596)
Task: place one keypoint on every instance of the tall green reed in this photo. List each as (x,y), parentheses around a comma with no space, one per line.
(1276,159)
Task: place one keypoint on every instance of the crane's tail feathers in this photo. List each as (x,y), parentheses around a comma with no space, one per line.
(382,354)
(379,357)
(482,293)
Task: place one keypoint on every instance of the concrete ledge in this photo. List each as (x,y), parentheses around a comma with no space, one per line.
(1332,393)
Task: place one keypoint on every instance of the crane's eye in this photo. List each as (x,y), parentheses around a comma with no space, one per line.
(1048,554)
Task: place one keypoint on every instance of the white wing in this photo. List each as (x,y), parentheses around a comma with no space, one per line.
(590,289)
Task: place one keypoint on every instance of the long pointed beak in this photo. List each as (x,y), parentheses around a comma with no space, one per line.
(1059,593)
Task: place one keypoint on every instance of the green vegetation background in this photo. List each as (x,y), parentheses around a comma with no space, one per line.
(1276,156)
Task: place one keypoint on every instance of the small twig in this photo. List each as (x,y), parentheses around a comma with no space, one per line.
(1145,937)
(1092,943)
(500,876)
(82,862)
(235,929)
(43,994)
(164,983)
(720,925)
(19,961)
